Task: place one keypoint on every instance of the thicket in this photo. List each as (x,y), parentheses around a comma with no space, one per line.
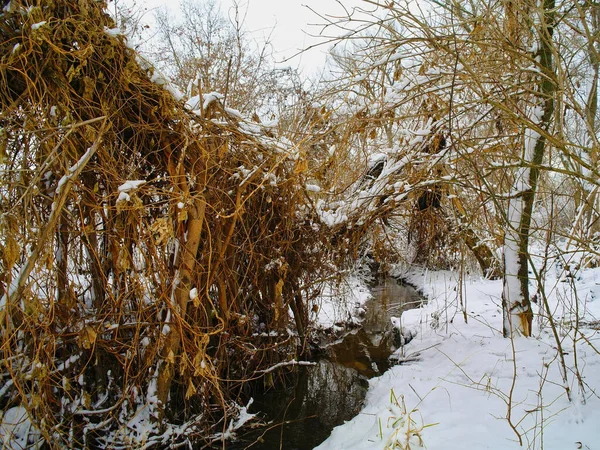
(150,252)
(494,106)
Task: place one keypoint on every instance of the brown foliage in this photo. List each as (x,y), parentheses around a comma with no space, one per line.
(158,295)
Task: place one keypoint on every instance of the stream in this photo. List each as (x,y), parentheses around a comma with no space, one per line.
(320,397)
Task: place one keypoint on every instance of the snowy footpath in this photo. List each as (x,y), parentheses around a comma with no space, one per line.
(464,386)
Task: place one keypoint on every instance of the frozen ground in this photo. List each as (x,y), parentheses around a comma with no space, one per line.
(470,388)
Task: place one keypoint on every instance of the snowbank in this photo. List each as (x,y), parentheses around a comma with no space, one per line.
(469,386)
(341,304)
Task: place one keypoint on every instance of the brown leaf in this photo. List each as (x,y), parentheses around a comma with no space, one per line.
(87,337)
(301,166)
(191,389)
(171,357)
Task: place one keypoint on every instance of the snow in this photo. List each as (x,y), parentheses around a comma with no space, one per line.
(339,303)
(243,417)
(127,187)
(38,25)
(113,32)
(463,379)
(65,365)
(270,123)
(210,98)
(251,128)
(123,197)
(512,285)
(512,289)
(235,113)
(364,197)
(75,167)
(374,158)
(174,91)
(162,80)
(292,362)
(17,430)
(193,103)
(158,78)
(166,329)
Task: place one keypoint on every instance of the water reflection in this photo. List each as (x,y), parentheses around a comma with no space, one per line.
(367,349)
(323,396)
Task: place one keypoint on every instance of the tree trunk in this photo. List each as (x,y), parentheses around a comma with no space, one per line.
(516,305)
(182,289)
(61,256)
(592,222)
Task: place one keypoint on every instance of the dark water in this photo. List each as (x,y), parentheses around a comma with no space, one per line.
(320,397)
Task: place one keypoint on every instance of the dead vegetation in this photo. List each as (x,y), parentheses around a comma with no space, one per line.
(150,254)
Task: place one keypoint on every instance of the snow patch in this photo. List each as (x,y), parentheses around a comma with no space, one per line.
(113,32)
(17,430)
(37,26)
(211,97)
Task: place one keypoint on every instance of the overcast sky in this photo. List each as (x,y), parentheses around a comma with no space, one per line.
(287,22)
(293,23)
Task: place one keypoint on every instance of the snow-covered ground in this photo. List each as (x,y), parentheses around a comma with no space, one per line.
(341,304)
(470,388)
(462,385)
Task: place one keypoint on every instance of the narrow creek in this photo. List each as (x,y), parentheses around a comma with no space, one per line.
(320,397)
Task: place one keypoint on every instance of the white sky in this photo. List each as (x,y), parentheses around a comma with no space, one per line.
(293,23)
(288,22)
